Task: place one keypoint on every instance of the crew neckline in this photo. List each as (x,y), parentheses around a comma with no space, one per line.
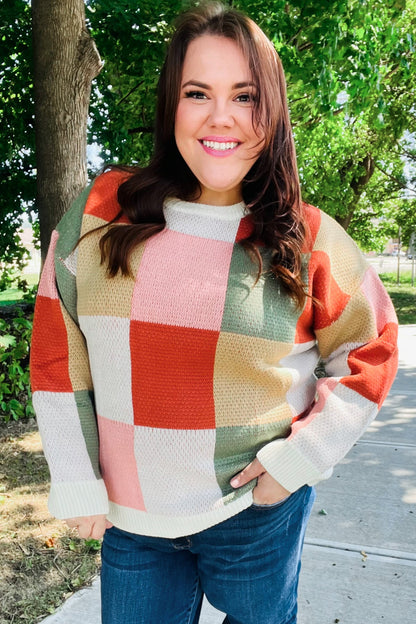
(225,213)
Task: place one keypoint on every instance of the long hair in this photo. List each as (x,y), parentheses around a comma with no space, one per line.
(270,189)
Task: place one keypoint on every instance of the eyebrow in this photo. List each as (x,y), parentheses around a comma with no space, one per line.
(203,85)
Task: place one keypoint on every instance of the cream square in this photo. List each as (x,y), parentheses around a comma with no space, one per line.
(110,363)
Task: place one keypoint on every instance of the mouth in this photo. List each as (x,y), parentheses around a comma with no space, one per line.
(221,146)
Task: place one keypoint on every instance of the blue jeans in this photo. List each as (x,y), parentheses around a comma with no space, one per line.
(248,567)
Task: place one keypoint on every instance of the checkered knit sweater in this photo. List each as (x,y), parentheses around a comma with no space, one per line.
(152,392)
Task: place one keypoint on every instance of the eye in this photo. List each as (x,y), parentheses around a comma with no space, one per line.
(246,98)
(195,95)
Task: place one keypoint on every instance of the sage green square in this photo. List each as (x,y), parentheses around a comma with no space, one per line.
(69,229)
(261,309)
(84,400)
(236,447)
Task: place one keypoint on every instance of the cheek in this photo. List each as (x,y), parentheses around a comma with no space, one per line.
(177,128)
(185,120)
(179,122)
(257,138)
(255,133)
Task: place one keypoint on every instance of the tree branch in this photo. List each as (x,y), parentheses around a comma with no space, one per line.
(304,97)
(295,36)
(145,129)
(398,182)
(90,61)
(130,92)
(305,46)
(317,119)
(404,152)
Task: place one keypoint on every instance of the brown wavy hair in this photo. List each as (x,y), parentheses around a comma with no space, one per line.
(271,188)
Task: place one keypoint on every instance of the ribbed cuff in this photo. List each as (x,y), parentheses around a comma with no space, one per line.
(81,498)
(285,463)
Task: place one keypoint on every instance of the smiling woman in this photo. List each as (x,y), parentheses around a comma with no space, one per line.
(214,119)
(182,311)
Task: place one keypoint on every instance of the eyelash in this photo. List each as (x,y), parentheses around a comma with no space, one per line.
(249,97)
(199,95)
(195,95)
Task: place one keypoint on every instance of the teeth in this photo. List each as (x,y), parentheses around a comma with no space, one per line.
(220,146)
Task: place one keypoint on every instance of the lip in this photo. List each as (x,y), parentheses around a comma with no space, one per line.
(219,139)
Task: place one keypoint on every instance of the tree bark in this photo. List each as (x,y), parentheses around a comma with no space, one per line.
(358,185)
(65,62)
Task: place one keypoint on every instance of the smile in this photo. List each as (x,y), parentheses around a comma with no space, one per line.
(222,147)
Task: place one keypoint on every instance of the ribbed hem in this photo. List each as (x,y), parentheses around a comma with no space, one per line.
(154,525)
(82,498)
(288,466)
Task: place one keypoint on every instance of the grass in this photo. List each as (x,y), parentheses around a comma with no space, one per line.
(42,562)
(403,296)
(13,295)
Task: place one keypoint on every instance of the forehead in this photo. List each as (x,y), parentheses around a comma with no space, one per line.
(217,59)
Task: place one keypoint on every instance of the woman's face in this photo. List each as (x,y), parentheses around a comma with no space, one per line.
(214,120)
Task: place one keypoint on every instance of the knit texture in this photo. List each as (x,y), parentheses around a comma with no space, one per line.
(151,392)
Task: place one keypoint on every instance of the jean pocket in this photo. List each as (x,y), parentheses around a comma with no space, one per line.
(271,505)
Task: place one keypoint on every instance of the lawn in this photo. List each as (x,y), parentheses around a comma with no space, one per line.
(13,295)
(403,296)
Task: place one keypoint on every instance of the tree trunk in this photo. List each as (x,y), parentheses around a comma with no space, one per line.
(65,63)
(358,185)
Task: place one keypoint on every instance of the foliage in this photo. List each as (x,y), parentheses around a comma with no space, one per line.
(17,168)
(22,288)
(15,395)
(350,68)
(131,39)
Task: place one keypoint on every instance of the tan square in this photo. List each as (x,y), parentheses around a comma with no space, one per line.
(355,325)
(348,265)
(98,294)
(78,366)
(249,384)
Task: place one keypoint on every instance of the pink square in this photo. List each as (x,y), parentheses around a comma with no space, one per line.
(176,287)
(47,285)
(378,299)
(118,464)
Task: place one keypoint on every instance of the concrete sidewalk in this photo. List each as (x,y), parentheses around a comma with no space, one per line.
(359,563)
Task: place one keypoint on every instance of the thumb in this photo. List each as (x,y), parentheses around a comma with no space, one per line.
(250,472)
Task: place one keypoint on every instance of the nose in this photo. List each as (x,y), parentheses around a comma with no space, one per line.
(220,114)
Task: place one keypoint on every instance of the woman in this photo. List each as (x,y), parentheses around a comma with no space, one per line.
(175,345)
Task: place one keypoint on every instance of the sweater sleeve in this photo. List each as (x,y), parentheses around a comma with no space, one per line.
(61,382)
(355,327)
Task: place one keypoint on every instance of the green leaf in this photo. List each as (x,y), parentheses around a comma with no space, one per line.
(7,341)
(93,544)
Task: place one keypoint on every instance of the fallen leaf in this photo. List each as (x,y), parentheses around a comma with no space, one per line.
(50,542)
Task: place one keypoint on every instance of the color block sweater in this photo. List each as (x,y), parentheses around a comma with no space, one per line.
(151,392)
